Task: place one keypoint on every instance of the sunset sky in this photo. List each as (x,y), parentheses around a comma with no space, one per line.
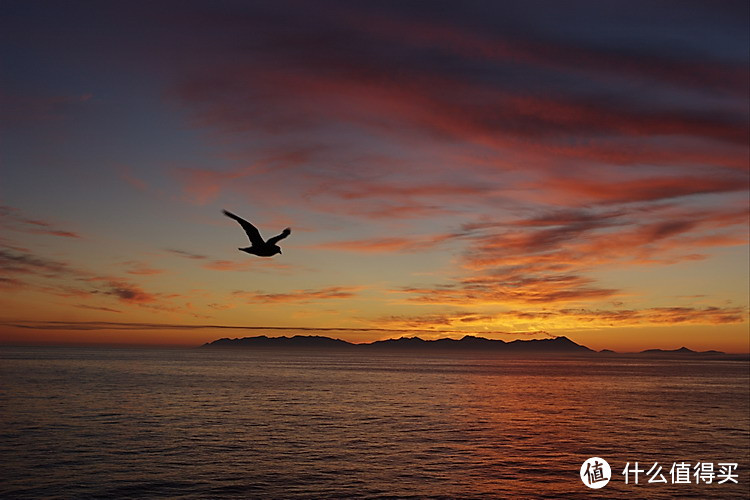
(505,169)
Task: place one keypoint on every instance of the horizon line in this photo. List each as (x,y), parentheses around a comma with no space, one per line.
(132,326)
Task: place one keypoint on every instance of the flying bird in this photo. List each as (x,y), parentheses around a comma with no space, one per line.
(257,245)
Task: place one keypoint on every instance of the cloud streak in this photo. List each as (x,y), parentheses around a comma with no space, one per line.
(186,255)
(299,296)
(650,316)
(24,263)
(25,270)
(13,219)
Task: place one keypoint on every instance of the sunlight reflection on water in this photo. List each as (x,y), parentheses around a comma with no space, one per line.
(82,422)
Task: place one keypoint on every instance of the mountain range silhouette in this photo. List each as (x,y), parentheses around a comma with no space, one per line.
(561,345)
(469,342)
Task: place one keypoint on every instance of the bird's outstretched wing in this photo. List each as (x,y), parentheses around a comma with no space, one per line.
(252,232)
(286,232)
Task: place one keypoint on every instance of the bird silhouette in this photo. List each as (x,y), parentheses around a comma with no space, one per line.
(257,245)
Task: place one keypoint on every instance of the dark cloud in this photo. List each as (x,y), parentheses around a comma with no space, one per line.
(97,308)
(10,283)
(16,262)
(511,44)
(187,255)
(62,279)
(13,219)
(129,293)
(23,108)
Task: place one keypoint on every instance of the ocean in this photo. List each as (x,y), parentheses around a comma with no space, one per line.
(200,423)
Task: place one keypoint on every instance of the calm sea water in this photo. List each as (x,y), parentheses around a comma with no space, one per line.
(194,423)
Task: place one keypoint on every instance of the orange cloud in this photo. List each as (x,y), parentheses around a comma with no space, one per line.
(388,245)
(592,237)
(228,265)
(300,296)
(650,316)
(436,320)
(553,319)
(141,269)
(544,259)
(520,288)
(244,265)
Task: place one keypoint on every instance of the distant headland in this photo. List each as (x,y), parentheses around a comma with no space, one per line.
(559,345)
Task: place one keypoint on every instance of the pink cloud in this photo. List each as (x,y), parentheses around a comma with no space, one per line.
(438,106)
(126,174)
(543,133)
(613,190)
